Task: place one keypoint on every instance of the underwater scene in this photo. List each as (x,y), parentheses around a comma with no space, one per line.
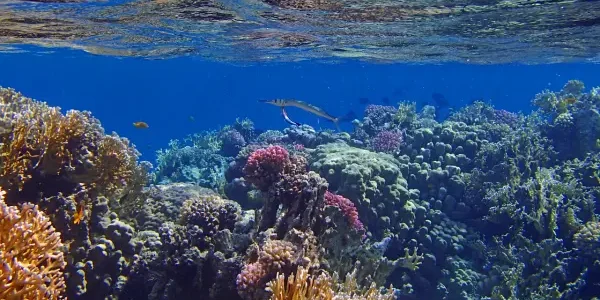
(299,149)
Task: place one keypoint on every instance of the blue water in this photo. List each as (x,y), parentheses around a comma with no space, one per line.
(166,93)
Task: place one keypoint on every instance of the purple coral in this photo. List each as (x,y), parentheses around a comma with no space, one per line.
(387,141)
(380,113)
(233,141)
(506,117)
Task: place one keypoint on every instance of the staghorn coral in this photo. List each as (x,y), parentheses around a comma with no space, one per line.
(31,257)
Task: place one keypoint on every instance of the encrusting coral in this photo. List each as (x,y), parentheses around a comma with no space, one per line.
(31,258)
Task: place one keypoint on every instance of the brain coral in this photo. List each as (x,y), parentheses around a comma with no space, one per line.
(31,260)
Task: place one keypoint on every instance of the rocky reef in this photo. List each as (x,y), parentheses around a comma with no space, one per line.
(487,204)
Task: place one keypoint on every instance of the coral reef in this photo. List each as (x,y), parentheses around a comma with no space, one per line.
(31,258)
(41,147)
(72,170)
(190,240)
(199,163)
(302,286)
(486,204)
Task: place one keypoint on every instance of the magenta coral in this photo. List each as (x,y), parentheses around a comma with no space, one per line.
(387,141)
(347,208)
(266,166)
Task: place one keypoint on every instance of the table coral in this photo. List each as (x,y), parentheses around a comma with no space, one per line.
(31,258)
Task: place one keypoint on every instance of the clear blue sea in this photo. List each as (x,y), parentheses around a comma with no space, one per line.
(165,93)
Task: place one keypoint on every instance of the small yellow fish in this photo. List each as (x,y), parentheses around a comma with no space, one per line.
(141,125)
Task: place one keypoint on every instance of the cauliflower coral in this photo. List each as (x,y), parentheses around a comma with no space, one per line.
(31,260)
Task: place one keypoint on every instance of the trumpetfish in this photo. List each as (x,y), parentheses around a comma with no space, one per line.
(283,103)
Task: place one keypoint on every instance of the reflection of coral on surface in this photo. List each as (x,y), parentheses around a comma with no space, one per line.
(31,259)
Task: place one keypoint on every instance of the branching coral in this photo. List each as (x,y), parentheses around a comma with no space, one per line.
(388,141)
(303,286)
(411,261)
(40,145)
(31,258)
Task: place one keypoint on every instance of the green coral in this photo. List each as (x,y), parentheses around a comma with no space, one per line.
(372,180)
(587,239)
(406,114)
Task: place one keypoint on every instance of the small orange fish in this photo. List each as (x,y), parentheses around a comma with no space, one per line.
(141,125)
(79,214)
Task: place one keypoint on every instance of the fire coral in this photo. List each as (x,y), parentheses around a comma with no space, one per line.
(31,260)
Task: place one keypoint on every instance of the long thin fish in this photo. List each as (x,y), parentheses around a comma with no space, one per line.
(304,106)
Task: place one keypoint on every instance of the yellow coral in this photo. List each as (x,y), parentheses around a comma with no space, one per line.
(38,140)
(303,286)
(411,261)
(31,260)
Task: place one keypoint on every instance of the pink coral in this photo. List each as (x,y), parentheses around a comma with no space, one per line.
(266,166)
(275,256)
(347,208)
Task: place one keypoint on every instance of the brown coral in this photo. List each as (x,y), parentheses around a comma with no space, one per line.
(275,256)
(31,260)
(303,286)
(57,153)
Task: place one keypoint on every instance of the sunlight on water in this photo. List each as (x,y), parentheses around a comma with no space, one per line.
(482,31)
